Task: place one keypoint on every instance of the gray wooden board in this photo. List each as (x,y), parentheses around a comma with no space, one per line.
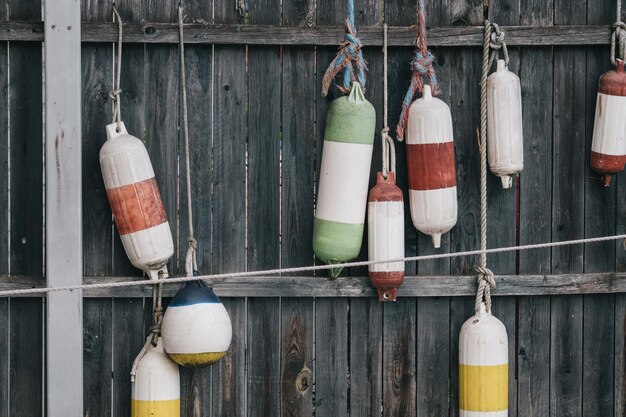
(5,407)
(366,350)
(619,356)
(97,357)
(461,309)
(399,353)
(5,236)
(297,360)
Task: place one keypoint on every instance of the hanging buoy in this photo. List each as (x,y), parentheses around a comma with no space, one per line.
(155,390)
(608,149)
(504,124)
(385,225)
(135,200)
(196,328)
(483,367)
(431,170)
(344,178)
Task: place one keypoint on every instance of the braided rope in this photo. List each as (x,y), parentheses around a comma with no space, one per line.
(117,67)
(618,35)
(350,55)
(421,66)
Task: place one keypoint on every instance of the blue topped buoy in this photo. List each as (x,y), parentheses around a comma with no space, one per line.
(196,328)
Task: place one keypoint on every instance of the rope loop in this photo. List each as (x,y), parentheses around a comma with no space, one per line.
(618,38)
(349,59)
(486,283)
(117,67)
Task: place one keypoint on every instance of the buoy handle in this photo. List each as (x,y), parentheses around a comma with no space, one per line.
(427,93)
(115,130)
(501,66)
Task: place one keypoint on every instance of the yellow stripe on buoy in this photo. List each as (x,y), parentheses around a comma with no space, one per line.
(155,408)
(197,360)
(483,388)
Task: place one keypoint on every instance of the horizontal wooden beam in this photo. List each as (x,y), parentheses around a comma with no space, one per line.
(415,286)
(316,35)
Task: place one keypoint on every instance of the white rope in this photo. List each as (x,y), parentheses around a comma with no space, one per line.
(618,35)
(287,271)
(117,67)
(190,259)
(388,149)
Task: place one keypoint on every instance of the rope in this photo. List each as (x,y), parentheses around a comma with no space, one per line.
(387,145)
(117,67)
(286,271)
(421,65)
(618,34)
(350,55)
(493,43)
(190,259)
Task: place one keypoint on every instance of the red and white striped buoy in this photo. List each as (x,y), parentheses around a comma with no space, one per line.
(135,200)
(431,166)
(385,225)
(505,144)
(608,149)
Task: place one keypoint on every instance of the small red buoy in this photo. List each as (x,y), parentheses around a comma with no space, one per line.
(608,149)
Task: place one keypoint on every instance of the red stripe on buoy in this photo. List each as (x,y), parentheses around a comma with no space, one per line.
(431,166)
(137,206)
(385,189)
(607,164)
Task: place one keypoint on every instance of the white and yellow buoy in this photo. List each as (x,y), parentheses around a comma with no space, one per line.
(196,328)
(483,367)
(156,384)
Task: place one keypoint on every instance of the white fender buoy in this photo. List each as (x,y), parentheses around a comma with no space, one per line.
(196,328)
(385,226)
(483,367)
(608,149)
(155,390)
(431,166)
(344,178)
(505,144)
(135,200)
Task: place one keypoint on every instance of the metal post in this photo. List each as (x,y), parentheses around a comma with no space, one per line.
(63,207)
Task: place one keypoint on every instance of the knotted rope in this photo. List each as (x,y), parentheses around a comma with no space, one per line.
(192,244)
(349,58)
(493,43)
(388,146)
(421,65)
(117,67)
(618,34)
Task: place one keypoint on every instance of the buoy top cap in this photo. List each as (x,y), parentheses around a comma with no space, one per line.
(116,129)
(194,292)
(427,93)
(501,66)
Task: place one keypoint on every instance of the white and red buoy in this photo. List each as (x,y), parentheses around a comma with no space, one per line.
(505,144)
(135,200)
(431,166)
(483,367)
(608,149)
(385,226)
(155,390)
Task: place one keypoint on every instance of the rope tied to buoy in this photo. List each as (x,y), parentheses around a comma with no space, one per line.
(493,43)
(421,66)
(349,58)
(618,34)
(192,244)
(117,68)
(389,150)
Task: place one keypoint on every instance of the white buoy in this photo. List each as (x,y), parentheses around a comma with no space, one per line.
(155,390)
(431,166)
(505,144)
(483,367)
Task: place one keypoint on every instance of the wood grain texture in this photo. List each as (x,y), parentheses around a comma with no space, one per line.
(461,309)
(331,357)
(5,320)
(366,356)
(97,357)
(620,356)
(5,218)
(297,360)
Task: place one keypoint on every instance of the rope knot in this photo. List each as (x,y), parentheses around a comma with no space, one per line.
(496,40)
(192,242)
(486,283)
(423,64)
(486,275)
(618,26)
(115,94)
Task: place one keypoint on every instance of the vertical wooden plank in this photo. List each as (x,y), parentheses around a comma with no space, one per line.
(297,210)
(97,354)
(366,356)
(64,261)
(599,314)
(399,369)
(331,357)
(505,309)
(230,131)
(264,139)
(620,356)
(5,328)
(297,357)
(566,360)
(461,309)
(533,395)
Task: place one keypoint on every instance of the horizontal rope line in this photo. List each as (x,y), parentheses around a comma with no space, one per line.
(178,280)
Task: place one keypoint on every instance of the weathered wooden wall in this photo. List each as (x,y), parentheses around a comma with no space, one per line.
(257,122)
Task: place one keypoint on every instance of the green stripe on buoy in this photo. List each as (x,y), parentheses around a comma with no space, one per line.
(335,242)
